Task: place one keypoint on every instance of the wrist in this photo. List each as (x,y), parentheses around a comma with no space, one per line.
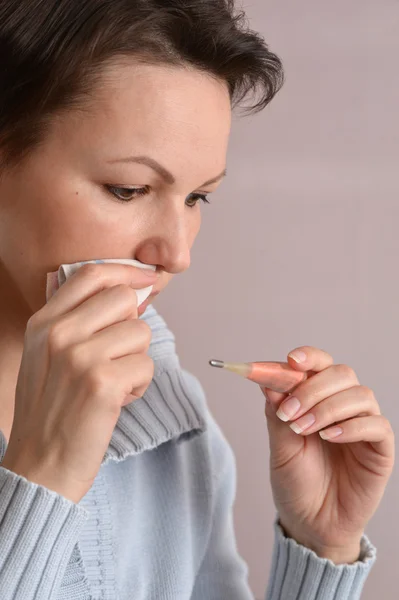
(51,481)
(343,554)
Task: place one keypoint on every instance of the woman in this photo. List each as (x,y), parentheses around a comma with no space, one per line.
(114,125)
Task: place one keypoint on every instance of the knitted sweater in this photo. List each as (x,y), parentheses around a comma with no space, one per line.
(157,523)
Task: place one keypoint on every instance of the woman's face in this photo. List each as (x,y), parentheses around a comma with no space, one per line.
(62,205)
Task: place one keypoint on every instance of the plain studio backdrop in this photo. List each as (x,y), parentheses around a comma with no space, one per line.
(300,246)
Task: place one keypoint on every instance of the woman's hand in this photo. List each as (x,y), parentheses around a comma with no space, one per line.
(326,491)
(84,357)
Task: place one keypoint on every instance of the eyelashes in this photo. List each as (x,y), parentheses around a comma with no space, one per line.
(129,194)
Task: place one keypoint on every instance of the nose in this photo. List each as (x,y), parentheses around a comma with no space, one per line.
(170,237)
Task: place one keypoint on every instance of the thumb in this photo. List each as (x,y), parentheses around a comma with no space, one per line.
(283,442)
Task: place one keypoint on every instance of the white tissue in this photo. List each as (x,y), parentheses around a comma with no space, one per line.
(57,278)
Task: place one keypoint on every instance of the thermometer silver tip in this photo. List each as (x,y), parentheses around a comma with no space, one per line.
(217,363)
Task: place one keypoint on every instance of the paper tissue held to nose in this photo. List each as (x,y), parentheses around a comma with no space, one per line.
(57,278)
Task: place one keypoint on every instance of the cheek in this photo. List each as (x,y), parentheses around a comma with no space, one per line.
(79,223)
(195,226)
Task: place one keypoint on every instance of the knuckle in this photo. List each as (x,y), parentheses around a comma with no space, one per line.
(361,427)
(387,426)
(96,378)
(91,270)
(56,337)
(145,331)
(331,412)
(32,323)
(345,371)
(366,392)
(75,356)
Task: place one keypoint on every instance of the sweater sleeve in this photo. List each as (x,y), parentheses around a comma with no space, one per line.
(296,572)
(299,574)
(38,531)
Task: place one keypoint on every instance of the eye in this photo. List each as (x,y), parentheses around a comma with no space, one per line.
(197,197)
(128,194)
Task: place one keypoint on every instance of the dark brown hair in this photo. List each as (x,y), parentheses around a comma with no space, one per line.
(52,52)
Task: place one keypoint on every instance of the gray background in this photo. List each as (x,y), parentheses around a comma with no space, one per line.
(300,246)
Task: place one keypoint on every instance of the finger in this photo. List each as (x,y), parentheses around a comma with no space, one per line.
(315,359)
(356,401)
(375,429)
(88,281)
(272,397)
(316,389)
(275,397)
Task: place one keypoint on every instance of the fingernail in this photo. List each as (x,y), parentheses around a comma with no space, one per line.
(288,408)
(303,423)
(330,433)
(298,356)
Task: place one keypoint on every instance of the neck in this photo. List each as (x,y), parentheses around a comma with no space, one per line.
(14,312)
(14,315)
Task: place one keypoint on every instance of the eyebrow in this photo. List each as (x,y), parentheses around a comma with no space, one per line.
(164,173)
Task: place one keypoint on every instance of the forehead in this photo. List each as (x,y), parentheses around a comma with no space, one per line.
(160,107)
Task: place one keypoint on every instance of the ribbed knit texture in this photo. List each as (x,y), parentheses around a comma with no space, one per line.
(157,523)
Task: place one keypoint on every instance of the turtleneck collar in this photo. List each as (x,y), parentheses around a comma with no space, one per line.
(170,407)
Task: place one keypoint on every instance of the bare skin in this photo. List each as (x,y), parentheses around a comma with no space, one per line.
(55,208)
(11,346)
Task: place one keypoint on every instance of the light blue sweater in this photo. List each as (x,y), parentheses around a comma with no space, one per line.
(157,523)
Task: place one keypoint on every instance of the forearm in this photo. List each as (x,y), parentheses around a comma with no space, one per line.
(38,532)
(54,480)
